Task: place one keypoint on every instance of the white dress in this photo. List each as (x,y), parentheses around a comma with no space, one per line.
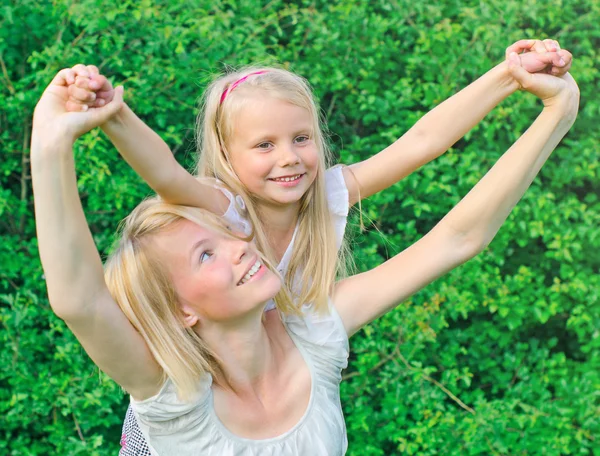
(132,439)
(175,428)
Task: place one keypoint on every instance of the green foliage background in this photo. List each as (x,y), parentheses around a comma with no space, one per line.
(499,357)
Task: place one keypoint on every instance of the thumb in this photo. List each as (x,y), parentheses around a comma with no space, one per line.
(112,108)
(517,71)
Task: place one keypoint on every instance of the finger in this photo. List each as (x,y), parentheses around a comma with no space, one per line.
(64,77)
(93,70)
(539,47)
(550,45)
(551,58)
(83,82)
(81,70)
(567,59)
(519,46)
(81,95)
(106,112)
(517,71)
(72,106)
(100,83)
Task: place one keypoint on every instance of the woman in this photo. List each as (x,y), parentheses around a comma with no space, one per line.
(181,285)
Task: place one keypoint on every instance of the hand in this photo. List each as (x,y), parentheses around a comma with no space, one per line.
(51,120)
(542,56)
(89,90)
(550,89)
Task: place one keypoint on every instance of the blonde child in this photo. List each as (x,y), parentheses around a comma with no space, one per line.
(259,134)
(184,302)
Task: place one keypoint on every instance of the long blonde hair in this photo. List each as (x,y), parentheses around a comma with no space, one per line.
(315,252)
(142,287)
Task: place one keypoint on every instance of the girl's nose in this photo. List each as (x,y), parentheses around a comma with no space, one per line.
(288,156)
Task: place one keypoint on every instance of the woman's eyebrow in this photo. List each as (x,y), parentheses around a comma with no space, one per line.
(196,246)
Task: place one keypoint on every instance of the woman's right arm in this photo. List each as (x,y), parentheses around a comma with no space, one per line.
(72,267)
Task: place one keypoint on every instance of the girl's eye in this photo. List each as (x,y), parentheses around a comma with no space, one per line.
(302,138)
(205,256)
(264,145)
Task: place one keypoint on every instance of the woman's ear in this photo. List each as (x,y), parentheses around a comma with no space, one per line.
(190,319)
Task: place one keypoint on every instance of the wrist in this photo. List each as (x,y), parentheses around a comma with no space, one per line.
(116,121)
(505,78)
(50,145)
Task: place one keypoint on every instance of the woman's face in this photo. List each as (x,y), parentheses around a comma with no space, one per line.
(216,277)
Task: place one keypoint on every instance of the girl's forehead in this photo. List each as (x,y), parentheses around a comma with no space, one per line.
(271,113)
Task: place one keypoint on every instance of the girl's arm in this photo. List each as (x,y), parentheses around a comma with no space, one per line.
(468,228)
(151,158)
(142,148)
(439,129)
(73,270)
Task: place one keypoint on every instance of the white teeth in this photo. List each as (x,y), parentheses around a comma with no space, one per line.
(250,273)
(287,179)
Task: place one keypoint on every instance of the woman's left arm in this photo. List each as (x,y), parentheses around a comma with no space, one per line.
(470,226)
(440,128)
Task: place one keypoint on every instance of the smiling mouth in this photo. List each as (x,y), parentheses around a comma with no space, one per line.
(253,270)
(293,178)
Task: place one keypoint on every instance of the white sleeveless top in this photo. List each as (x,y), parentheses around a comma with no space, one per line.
(175,428)
(337,200)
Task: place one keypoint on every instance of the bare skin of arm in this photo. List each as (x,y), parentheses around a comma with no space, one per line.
(439,129)
(72,266)
(468,228)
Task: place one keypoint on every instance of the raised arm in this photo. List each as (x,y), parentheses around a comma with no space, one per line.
(439,129)
(142,148)
(468,228)
(74,276)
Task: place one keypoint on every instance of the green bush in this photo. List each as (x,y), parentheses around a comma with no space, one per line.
(499,357)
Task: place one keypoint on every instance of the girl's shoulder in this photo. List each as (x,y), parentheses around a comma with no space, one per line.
(337,191)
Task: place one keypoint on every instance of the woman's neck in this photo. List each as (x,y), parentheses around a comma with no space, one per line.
(246,353)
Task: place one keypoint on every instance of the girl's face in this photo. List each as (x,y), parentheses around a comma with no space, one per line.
(216,277)
(272,150)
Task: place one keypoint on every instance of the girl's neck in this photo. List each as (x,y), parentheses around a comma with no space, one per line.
(279,223)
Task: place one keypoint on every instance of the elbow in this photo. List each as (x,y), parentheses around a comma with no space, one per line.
(71,305)
(467,245)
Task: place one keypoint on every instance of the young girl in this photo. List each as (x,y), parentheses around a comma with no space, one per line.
(259,134)
(208,371)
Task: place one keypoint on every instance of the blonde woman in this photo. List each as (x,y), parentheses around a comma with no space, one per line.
(183,300)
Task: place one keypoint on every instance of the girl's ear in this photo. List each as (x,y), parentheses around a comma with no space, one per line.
(190,319)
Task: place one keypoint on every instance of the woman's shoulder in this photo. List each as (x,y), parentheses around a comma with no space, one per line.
(168,405)
(322,332)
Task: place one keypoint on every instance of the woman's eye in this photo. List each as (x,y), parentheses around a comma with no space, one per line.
(205,256)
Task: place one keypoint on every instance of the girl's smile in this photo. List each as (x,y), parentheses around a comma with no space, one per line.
(272,150)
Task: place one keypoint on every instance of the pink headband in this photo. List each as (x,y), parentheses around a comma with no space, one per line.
(230,88)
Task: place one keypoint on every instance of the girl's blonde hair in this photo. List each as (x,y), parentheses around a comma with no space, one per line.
(142,287)
(315,252)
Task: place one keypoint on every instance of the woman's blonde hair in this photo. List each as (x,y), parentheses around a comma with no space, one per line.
(315,252)
(141,285)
